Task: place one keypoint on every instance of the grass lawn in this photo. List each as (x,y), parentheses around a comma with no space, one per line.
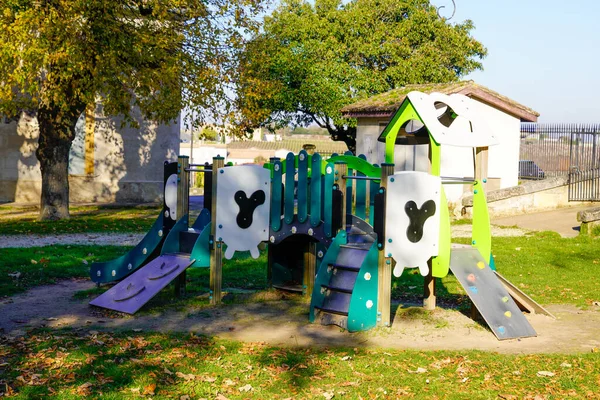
(67,364)
(549,268)
(83,219)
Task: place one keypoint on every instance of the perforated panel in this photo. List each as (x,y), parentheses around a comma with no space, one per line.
(243,198)
(467,129)
(412,219)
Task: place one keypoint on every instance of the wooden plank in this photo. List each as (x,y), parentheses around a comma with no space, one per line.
(524,302)
(216,256)
(310,268)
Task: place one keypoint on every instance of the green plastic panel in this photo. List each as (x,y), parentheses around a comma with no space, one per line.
(119,268)
(349,191)
(355,163)
(276,196)
(171,244)
(405,113)
(440,265)
(316,191)
(482,233)
(302,186)
(362,313)
(290,177)
(323,274)
(201,250)
(328,200)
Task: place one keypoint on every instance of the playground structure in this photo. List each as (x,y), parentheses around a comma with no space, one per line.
(336,229)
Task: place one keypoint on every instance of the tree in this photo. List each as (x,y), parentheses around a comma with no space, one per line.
(209,133)
(59,56)
(311,60)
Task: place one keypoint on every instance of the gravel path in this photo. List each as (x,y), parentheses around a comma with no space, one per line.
(100,239)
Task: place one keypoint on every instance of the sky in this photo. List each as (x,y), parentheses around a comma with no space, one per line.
(543,54)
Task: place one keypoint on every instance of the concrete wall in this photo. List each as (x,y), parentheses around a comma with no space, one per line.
(128,162)
(530,196)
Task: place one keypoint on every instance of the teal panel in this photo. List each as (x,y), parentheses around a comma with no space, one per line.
(302,186)
(349,195)
(288,203)
(492,262)
(119,268)
(171,244)
(362,313)
(276,196)
(361,198)
(316,182)
(201,250)
(328,200)
(323,274)
(373,189)
(202,220)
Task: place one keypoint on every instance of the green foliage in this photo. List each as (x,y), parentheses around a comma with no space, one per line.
(311,60)
(160,56)
(209,133)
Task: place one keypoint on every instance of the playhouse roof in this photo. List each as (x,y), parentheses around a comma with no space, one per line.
(386,104)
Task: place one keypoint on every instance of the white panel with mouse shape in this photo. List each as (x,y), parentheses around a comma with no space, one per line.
(452,120)
(171,197)
(243,199)
(412,219)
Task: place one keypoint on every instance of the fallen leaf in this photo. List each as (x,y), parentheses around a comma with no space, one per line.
(166,371)
(566,365)
(328,395)
(84,388)
(346,358)
(246,388)
(15,275)
(221,397)
(228,382)
(85,262)
(418,371)
(150,389)
(209,379)
(187,377)
(184,397)
(51,319)
(545,373)
(33,262)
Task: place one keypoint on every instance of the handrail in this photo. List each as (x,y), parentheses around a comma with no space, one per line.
(361,178)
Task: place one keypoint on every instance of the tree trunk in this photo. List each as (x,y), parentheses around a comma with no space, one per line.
(344,134)
(57,131)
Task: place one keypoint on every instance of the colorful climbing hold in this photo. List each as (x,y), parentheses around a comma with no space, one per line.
(505,299)
(508,314)
(501,330)
(471,278)
(473,289)
(481,265)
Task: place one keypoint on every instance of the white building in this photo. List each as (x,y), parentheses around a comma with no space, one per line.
(503,115)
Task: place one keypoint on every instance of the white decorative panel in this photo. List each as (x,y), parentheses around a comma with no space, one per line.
(468,129)
(243,198)
(171,196)
(412,220)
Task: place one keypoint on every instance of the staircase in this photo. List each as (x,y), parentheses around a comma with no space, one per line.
(345,291)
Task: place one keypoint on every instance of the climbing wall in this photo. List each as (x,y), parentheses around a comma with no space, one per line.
(487,293)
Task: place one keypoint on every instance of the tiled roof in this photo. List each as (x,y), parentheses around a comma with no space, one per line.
(385,104)
(323,146)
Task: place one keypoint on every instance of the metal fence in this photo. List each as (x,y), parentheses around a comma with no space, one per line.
(546,148)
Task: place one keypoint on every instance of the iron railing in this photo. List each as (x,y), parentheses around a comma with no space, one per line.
(545,149)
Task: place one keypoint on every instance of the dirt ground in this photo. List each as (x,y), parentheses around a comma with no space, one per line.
(284,323)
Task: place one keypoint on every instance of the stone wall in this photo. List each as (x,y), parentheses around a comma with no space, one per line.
(128,162)
(530,196)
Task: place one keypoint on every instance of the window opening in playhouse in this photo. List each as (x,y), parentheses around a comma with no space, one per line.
(412,132)
(445,113)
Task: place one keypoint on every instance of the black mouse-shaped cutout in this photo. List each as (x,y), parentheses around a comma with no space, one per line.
(247,206)
(417,217)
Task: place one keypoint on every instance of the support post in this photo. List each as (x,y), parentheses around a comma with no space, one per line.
(183,186)
(481,165)
(429,299)
(384,268)
(310,268)
(341,170)
(183,201)
(216,246)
